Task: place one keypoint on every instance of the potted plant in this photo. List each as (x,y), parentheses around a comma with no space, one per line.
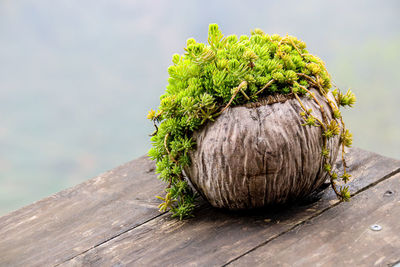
(249,121)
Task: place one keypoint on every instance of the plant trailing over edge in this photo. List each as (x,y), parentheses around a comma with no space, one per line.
(231,71)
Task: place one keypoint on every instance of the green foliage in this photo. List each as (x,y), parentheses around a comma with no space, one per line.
(310,121)
(348,99)
(347,138)
(230,71)
(345,193)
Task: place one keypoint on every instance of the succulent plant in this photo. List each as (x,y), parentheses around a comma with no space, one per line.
(208,80)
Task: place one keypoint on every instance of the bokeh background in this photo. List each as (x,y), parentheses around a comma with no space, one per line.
(78,77)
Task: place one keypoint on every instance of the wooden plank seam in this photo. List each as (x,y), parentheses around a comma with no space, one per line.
(111,238)
(313,216)
(385,177)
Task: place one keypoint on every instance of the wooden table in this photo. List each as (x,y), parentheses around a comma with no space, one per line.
(113,220)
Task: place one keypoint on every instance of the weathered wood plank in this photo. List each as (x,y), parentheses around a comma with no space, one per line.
(70,222)
(342,235)
(216,237)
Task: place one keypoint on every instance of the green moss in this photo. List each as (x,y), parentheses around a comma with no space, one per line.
(230,71)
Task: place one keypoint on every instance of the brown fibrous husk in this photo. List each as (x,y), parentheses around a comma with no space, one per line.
(259,154)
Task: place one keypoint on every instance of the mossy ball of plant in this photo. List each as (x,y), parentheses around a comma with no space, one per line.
(249,121)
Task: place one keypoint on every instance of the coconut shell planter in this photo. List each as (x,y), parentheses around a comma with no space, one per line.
(249,122)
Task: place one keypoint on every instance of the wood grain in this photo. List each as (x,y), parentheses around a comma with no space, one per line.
(341,236)
(215,237)
(70,222)
(251,157)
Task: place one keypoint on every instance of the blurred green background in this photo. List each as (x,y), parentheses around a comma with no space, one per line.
(78,77)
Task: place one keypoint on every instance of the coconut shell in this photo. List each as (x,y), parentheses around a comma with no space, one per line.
(258,155)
